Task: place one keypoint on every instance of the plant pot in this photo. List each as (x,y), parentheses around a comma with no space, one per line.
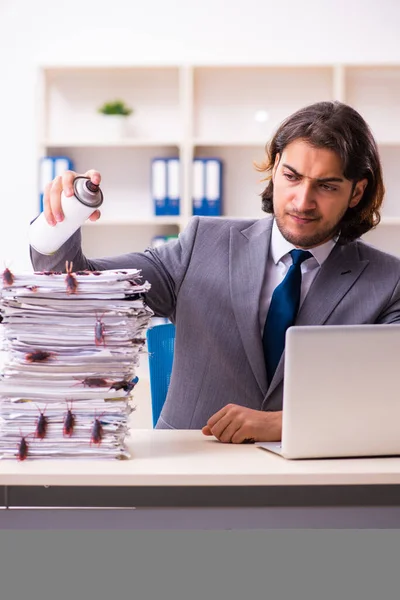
(114,126)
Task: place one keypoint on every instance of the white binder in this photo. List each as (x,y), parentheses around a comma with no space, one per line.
(159,185)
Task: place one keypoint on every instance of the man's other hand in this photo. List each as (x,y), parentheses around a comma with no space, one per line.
(237,424)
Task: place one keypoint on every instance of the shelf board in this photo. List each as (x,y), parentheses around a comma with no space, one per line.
(390,143)
(136,222)
(390,221)
(123,143)
(232,143)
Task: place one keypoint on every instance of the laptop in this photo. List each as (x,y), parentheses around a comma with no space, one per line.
(341,392)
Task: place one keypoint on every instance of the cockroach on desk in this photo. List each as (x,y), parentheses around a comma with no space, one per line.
(23,447)
(49,273)
(127,386)
(38,356)
(41,424)
(69,422)
(70,279)
(94,382)
(99,331)
(97,432)
(8,277)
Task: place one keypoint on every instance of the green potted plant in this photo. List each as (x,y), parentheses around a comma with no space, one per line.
(115,114)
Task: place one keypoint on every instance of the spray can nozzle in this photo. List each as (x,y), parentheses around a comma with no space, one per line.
(92,187)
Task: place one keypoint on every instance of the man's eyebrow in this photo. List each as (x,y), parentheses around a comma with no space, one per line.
(319,179)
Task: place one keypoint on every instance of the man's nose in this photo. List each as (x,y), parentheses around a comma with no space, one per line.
(305,197)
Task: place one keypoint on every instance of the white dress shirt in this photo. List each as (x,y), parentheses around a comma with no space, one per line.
(278,263)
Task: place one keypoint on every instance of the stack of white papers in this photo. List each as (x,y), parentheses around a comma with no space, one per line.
(72,344)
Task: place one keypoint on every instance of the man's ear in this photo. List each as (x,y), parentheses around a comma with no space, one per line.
(274,168)
(358,192)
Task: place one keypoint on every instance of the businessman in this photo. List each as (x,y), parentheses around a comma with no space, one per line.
(232,287)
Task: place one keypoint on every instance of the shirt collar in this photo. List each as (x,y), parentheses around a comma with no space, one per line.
(280,247)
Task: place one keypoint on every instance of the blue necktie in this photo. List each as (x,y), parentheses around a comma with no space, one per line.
(282,312)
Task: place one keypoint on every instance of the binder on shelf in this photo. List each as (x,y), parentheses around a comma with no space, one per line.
(207,187)
(165,185)
(198,187)
(173,186)
(159,186)
(50,167)
(213,187)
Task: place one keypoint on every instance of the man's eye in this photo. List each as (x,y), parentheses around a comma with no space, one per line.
(328,188)
(290,176)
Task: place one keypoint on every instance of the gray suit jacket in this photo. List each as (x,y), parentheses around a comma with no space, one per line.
(209,282)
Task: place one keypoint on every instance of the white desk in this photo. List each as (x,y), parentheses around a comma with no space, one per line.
(181,479)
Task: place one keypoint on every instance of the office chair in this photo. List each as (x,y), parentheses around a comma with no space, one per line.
(160,343)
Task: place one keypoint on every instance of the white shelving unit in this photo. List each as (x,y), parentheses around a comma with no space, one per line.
(226,111)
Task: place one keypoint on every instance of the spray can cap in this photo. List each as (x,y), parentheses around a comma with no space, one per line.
(87,192)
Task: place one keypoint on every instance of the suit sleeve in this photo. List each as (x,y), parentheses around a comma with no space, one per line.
(164,267)
(391,313)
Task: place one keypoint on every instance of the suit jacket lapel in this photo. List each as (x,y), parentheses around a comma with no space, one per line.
(247,262)
(339,272)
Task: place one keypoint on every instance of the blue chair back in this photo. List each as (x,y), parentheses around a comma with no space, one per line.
(160,343)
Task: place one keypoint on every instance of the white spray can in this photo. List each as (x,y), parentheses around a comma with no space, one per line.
(87,197)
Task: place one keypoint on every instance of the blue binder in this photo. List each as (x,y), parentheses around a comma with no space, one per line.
(49,168)
(173,186)
(207,187)
(159,186)
(213,192)
(199,188)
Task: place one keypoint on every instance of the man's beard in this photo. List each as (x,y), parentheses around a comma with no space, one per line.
(311,240)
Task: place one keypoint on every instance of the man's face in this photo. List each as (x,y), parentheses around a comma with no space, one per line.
(311,195)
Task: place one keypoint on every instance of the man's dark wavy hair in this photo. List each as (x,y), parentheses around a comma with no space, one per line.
(340,128)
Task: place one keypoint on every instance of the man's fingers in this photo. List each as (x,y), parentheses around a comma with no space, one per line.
(217,416)
(230,431)
(219,429)
(68,182)
(94,176)
(95,216)
(46,204)
(55,198)
(64,183)
(206,430)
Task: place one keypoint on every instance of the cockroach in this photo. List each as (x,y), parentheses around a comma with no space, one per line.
(70,279)
(50,273)
(127,386)
(41,424)
(99,331)
(69,422)
(97,431)
(95,382)
(23,447)
(8,277)
(38,356)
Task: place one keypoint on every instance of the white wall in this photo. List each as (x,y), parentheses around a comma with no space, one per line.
(162,31)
